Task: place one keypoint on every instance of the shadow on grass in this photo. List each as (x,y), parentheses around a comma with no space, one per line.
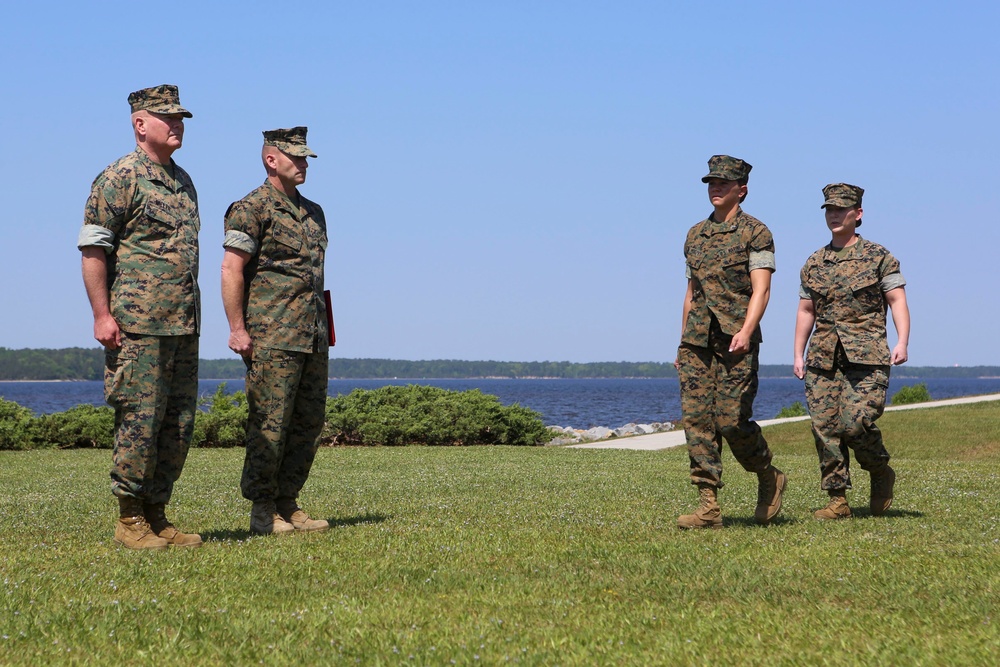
(891,513)
(862,513)
(750,522)
(240,535)
(359,520)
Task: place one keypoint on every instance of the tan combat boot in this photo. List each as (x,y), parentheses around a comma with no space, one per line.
(882,485)
(158,521)
(293,514)
(708,514)
(132,531)
(770,487)
(265,520)
(837,508)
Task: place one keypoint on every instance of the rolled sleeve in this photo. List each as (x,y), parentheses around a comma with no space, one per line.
(95,235)
(892,281)
(240,241)
(762,259)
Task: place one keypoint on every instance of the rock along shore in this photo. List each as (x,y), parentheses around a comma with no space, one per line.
(567,435)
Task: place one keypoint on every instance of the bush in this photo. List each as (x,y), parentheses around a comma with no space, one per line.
(796,409)
(224,423)
(387,416)
(15,426)
(424,415)
(916,393)
(81,426)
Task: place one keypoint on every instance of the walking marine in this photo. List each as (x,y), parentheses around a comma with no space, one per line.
(139,242)
(729,261)
(846,287)
(272,290)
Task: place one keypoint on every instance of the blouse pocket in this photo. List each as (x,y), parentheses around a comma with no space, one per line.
(816,286)
(161,221)
(867,291)
(287,237)
(734,265)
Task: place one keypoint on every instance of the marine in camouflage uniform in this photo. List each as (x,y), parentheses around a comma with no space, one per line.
(272,288)
(140,263)
(729,260)
(846,289)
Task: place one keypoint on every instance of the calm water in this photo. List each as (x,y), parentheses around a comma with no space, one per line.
(576,403)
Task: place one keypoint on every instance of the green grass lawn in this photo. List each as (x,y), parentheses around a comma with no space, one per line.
(496,555)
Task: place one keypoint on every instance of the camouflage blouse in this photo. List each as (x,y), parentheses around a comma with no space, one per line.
(848,289)
(145,216)
(720,257)
(283,303)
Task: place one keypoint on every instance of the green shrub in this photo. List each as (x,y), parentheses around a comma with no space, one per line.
(224,423)
(796,409)
(80,426)
(387,416)
(15,426)
(417,414)
(916,393)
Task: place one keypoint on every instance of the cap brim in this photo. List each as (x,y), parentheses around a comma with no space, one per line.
(171,109)
(721,177)
(839,203)
(295,151)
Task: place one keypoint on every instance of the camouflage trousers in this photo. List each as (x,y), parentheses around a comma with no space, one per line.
(152,383)
(844,403)
(717,393)
(286,393)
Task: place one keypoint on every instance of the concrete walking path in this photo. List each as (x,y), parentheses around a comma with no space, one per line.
(668,439)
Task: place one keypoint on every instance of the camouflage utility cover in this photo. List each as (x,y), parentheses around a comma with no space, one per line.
(846,289)
(842,195)
(291,141)
(160,99)
(147,221)
(727,168)
(283,295)
(718,256)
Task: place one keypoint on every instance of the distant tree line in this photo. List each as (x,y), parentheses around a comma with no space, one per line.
(71,363)
(451,368)
(221,369)
(76,363)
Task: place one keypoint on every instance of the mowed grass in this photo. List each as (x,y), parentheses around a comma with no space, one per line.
(540,556)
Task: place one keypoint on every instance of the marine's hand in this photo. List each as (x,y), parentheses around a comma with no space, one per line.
(677,362)
(740,343)
(107,333)
(240,343)
(899,354)
(799,369)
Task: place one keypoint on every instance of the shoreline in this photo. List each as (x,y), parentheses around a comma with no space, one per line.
(519,378)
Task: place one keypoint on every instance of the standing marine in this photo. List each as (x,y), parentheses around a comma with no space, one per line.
(729,261)
(272,290)
(140,268)
(847,286)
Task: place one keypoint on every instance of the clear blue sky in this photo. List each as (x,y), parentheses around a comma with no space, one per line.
(513,180)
